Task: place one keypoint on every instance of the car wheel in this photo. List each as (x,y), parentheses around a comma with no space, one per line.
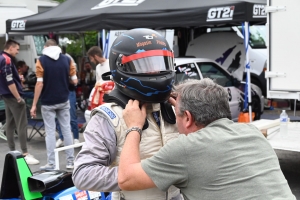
(258,84)
(256,107)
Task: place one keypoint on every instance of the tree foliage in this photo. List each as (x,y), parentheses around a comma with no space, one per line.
(76,48)
(60,1)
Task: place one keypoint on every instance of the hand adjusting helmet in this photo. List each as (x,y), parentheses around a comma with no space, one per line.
(142,65)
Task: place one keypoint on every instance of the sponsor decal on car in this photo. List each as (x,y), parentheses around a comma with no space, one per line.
(67,197)
(108,3)
(82,195)
(229,94)
(94,195)
(220,13)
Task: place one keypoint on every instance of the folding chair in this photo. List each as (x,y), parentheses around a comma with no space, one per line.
(36,123)
(2,120)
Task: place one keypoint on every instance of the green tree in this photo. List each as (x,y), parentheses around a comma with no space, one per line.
(60,1)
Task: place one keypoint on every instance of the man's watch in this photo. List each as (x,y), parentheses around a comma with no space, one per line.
(134,128)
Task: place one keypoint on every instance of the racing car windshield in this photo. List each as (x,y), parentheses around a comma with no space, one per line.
(153,61)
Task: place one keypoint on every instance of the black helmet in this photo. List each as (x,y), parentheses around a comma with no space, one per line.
(142,65)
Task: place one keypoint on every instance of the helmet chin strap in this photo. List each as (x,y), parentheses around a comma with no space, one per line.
(167,112)
(115,96)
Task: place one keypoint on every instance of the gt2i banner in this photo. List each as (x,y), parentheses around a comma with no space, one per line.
(259,11)
(220,13)
(108,3)
(18,24)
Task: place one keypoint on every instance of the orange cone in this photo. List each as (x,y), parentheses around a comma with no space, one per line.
(245,118)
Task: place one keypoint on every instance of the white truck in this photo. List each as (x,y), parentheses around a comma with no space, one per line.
(282,71)
(283,49)
(226,46)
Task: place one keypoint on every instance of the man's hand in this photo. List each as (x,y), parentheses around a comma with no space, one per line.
(20,100)
(172,99)
(134,115)
(33,112)
(98,84)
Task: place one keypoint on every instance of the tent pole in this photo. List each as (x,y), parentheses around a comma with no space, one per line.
(248,69)
(103,39)
(192,34)
(99,37)
(83,44)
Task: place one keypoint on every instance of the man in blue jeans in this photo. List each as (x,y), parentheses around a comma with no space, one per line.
(73,114)
(73,119)
(53,72)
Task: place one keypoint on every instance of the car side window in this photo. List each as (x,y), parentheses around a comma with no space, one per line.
(186,71)
(214,72)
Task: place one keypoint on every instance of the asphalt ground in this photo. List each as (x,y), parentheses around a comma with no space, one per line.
(289,161)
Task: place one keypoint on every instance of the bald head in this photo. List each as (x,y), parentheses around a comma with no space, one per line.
(50,42)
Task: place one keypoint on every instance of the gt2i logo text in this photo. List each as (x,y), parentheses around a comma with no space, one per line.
(108,3)
(259,11)
(220,13)
(18,24)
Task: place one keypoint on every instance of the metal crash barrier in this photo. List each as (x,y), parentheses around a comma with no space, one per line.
(57,150)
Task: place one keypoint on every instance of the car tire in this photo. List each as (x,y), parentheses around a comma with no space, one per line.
(258,84)
(256,107)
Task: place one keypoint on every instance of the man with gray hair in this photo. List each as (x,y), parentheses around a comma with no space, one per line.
(53,70)
(213,158)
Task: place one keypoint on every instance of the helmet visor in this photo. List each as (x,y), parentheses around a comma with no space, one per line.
(148,62)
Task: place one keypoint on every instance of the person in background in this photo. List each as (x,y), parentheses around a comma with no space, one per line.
(147,76)
(73,112)
(15,108)
(28,79)
(64,51)
(96,57)
(53,71)
(23,71)
(87,77)
(213,158)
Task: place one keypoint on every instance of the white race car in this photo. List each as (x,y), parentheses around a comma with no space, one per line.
(199,68)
